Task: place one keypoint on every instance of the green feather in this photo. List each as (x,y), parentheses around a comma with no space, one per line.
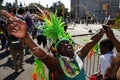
(54,28)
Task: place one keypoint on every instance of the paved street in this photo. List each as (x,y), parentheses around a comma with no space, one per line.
(79,31)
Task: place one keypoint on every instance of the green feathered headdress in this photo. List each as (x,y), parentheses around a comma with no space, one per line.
(54,29)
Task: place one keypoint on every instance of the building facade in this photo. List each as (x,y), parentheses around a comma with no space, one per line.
(81,9)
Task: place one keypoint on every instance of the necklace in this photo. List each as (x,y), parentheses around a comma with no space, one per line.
(71,68)
(67,58)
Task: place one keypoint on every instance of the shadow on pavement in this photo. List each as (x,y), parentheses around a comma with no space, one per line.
(7,64)
(4,54)
(30,60)
(13,76)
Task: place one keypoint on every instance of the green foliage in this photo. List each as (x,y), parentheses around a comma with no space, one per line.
(1,1)
(116,25)
(117,19)
(58,6)
(1,7)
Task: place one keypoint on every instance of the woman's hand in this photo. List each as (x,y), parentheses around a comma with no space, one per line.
(16,27)
(109,33)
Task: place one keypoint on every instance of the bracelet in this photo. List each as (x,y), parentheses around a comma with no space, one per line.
(35,49)
(44,57)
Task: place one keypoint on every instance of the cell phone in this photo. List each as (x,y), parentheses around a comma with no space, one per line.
(105,27)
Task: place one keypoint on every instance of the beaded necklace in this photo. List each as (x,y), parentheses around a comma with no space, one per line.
(69,67)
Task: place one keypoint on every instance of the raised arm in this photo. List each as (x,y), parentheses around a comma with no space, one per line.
(94,39)
(18,28)
(111,36)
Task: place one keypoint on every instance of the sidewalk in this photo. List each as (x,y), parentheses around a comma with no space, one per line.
(6,70)
(82,29)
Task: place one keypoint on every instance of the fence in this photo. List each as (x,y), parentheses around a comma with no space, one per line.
(91,65)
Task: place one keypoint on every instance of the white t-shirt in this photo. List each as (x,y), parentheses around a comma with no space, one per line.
(105,61)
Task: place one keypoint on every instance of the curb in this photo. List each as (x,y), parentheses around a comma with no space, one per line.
(82,35)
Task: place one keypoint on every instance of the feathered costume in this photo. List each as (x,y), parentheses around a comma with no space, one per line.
(54,29)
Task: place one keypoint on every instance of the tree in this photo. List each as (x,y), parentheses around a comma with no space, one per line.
(1,7)
(60,9)
(117,21)
(1,1)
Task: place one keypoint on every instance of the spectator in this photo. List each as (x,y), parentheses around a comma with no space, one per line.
(116,62)
(17,52)
(29,22)
(3,33)
(20,13)
(66,26)
(106,50)
(41,39)
(17,46)
(111,70)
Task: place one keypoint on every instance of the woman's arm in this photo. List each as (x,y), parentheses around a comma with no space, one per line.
(50,61)
(94,39)
(111,36)
(18,28)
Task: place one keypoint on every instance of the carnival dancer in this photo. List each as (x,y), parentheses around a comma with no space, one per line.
(68,65)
